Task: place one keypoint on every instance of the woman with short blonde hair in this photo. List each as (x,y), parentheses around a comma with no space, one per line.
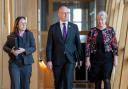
(101,52)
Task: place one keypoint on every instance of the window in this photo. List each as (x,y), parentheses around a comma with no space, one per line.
(77,18)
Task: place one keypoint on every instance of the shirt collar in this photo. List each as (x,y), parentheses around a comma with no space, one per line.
(61,23)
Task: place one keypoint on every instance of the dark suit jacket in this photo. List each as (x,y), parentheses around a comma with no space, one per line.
(29,46)
(57,48)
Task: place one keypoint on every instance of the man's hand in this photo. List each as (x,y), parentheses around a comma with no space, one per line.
(49,65)
(79,64)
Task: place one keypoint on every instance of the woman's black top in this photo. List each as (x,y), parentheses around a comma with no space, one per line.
(19,58)
(101,55)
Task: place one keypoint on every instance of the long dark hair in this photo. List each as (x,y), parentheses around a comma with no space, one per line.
(15,28)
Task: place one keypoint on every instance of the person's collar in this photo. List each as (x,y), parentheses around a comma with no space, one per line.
(61,22)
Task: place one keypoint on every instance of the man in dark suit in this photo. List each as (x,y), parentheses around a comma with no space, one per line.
(63,49)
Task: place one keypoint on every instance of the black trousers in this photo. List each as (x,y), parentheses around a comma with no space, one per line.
(63,75)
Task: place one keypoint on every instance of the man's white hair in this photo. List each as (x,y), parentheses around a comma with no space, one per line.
(63,7)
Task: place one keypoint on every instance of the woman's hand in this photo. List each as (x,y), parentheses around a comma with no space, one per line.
(88,63)
(21,50)
(115,61)
(17,51)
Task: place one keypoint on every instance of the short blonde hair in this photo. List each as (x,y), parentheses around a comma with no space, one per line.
(103,14)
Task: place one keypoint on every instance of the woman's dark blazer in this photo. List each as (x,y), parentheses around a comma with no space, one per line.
(28,44)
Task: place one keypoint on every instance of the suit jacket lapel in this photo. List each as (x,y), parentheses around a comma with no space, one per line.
(25,38)
(59,32)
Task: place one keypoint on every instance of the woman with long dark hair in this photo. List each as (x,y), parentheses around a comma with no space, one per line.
(20,45)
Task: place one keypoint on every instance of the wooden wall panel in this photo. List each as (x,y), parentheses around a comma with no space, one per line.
(5,58)
(108,8)
(115,14)
(124,75)
(117,18)
(1,29)
(112,10)
(121,51)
